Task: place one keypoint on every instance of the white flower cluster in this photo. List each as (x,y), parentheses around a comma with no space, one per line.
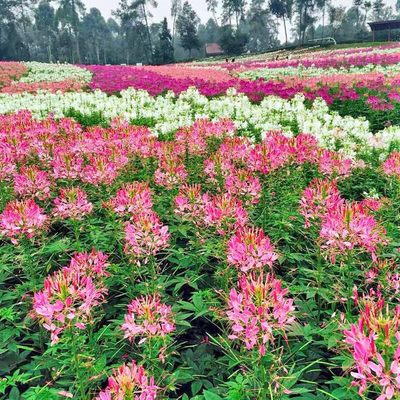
(169,112)
(46,72)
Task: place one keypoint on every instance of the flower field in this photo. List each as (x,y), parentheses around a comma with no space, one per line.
(202,231)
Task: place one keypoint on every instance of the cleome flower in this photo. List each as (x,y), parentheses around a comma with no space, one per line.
(32,182)
(22,218)
(72,203)
(349,226)
(225,213)
(129,382)
(190,203)
(250,249)
(148,317)
(392,165)
(374,344)
(69,295)
(145,235)
(132,198)
(258,310)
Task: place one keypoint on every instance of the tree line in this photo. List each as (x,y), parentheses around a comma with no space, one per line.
(65,31)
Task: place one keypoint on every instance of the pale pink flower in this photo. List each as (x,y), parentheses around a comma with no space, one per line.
(250,249)
(170,173)
(148,317)
(346,227)
(145,236)
(72,203)
(334,164)
(190,203)
(32,182)
(129,382)
(66,165)
(22,218)
(259,310)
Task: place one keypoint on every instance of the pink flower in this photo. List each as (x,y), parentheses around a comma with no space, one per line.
(333,164)
(374,343)
(145,235)
(318,198)
(392,165)
(171,172)
(244,185)
(225,213)
(349,226)
(66,165)
(132,198)
(147,317)
(129,382)
(32,182)
(190,203)
(250,249)
(100,170)
(69,295)
(259,310)
(72,203)
(22,218)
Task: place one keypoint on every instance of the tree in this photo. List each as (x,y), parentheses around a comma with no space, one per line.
(233,41)
(164,53)
(262,29)
(336,17)
(186,25)
(45,26)
(96,33)
(233,8)
(212,6)
(68,15)
(176,7)
(282,9)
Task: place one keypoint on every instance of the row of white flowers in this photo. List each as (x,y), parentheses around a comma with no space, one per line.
(307,72)
(46,72)
(169,112)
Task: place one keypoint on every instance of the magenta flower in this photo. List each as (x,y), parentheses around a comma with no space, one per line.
(22,218)
(100,170)
(244,185)
(129,382)
(250,249)
(148,317)
(72,203)
(190,204)
(258,311)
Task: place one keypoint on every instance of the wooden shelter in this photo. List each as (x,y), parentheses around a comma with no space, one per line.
(383,26)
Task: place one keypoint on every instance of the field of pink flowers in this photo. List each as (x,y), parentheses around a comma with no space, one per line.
(208,262)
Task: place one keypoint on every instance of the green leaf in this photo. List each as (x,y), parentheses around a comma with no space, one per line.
(211,395)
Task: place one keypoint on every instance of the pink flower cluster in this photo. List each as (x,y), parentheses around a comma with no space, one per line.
(132,198)
(374,343)
(250,249)
(69,295)
(22,219)
(344,226)
(259,309)
(145,236)
(63,86)
(129,382)
(392,165)
(32,182)
(72,204)
(148,317)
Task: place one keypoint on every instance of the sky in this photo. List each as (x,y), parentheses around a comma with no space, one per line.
(164,7)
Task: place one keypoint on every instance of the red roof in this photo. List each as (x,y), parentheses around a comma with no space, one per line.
(213,49)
